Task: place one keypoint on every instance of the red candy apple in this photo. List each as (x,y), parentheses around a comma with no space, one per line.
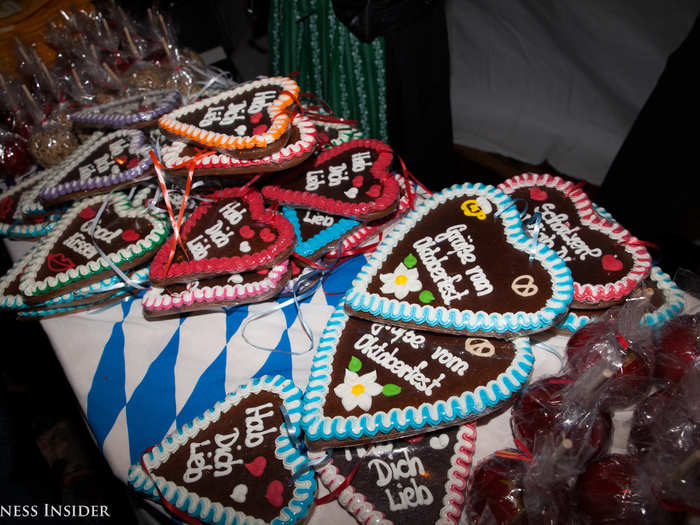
(497,492)
(611,490)
(629,366)
(648,421)
(537,409)
(14,157)
(678,345)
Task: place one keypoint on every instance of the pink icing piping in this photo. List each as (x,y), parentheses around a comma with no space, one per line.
(235,264)
(390,189)
(641,260)
(227,293)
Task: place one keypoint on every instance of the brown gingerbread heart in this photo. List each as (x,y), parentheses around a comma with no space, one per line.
(236,463)
(218,241)
(351,180)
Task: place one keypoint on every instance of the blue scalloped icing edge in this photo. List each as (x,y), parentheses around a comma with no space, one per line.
(322,238)
(391,309)
(453,410)
(27,231)
(305,484)
(673,305)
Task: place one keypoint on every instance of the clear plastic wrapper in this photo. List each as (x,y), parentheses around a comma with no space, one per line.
(51,143)
(14,116)
(677,347)
(14,156)
(618,346)
(495,495)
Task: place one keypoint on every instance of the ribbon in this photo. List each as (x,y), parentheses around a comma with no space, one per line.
(115,268)
(301,447)
(171,508)
(524,455)
(514,202)
(340,488)
(637,242)
(408,177)
(551,350)
(674,505)
(537,220)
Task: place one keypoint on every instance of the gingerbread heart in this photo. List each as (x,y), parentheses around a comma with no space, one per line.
(329,183)
(606,261)
(215,292)
(215,245)
(666,300)
(224,122)
(210,468)
(68,258)
(301,144)
(316,232)
(461,263)
(418,480)
(12,222)
(97,166)
(138,111)
(375,382)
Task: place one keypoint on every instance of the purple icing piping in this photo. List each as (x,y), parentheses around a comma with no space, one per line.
(136,141)
(169,101)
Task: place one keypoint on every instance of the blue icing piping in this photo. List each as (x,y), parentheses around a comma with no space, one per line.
(306,247)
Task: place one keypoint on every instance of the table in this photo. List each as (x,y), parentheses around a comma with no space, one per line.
(136,380)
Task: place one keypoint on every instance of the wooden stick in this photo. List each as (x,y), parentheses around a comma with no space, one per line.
(165,28)
(4,85)
(165,46)
(111,73)
(106,26)
(31,99)
(94,52)
(22,50)
(45,70)
(131,43)
(77,79)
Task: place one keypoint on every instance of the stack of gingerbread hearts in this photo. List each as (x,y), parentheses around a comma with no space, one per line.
(230,251)
(94,255)
(608,264)
(433,332)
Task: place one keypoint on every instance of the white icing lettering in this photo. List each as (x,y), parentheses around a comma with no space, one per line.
(196,463)
(101,234)
(212,115)
(360,161)
(317,219)
(406,467)
(260,100)
(454,363)
(80,245)
(234,112)
(463,249)
(427,250)
(560,226)
(478,278)
(233,212)
(255,426)
(223,459)
(407,336)
(405,496)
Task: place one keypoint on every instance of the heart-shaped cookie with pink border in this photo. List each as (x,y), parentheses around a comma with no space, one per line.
(231,232)
(216,292)
(69,258)
(249,121)
(422,479)
(607,263)
(237,463)
(351,180)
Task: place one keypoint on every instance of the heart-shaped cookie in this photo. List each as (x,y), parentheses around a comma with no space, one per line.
(316,232)
(99,166)
(606,261)
(461,263)
(405,480)
(374,382)
(212,236)
(201,468)
(301,144)
(67,258)
(138,111)
(215,292)
(329,183)
(666,300)
(224,122)
(12,222)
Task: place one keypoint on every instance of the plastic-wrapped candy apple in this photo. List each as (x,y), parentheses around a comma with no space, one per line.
(14,157)
(537,409)
(496,494)
(677,346)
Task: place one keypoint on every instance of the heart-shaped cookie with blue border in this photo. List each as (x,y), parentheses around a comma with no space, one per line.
(462,263)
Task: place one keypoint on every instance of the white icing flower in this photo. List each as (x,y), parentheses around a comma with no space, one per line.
(358,390)
(400,281)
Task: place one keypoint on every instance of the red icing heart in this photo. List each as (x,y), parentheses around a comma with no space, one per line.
(130,236)
(357,181)
(87,214)
(255,117)
(247,232)
(259,130)
(257,466)
(267,235)
(611,263)
(58,262)
(537,194)
(274,493)
(374,191)
(133,162)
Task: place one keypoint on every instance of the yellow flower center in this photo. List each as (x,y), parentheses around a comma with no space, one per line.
(401,280)
(358,389)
